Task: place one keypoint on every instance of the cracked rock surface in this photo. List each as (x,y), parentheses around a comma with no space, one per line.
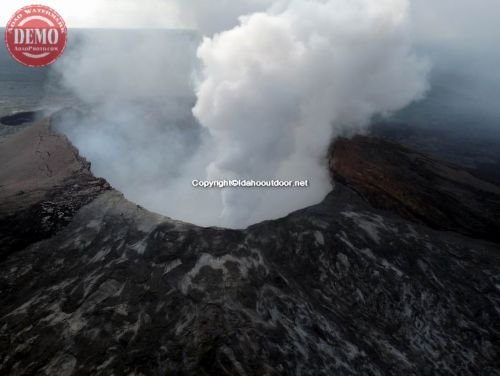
(338,288)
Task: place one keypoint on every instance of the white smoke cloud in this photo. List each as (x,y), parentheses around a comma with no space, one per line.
(279,86)
(137,129)
(273,91)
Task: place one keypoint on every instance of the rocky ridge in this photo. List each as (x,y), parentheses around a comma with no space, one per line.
(417,187)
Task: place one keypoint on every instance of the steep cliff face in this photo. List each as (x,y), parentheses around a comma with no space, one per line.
(417,187)
(338,288)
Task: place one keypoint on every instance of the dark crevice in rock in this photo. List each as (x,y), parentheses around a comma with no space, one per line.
(21,118)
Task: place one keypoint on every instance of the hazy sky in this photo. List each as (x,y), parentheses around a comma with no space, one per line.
(208,16)
(458,22)
(450,21)
(104,13)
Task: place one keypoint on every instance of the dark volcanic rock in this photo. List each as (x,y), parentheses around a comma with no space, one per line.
(339,288)
(477,150)
(417,187)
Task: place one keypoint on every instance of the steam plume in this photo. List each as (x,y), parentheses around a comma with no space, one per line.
(279,86)
(272,93)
